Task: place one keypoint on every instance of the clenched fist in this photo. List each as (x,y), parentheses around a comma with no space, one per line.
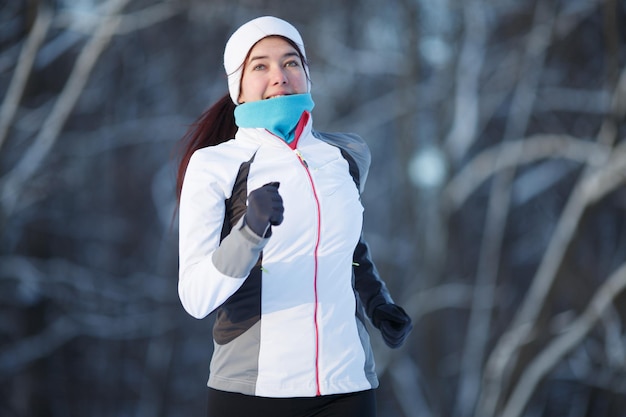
(265,209)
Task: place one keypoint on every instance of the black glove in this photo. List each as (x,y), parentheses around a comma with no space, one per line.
(265,209)
(393,322)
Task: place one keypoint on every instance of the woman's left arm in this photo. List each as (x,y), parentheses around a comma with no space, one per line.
(391,319)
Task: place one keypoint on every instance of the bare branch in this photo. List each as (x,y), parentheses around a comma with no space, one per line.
(112,327)
(158,361)
(608,131)
(516,153)
(574,100)
(536,147)
(58,277)
(422,303)
(479,327)
(22,70)
(25,351)
(51,128)
(438,298)
(128,23)
(406,381)
(613,175)
(615,350)
(588,189)
(466,107)
(559,347)
(95,300)
(374,113)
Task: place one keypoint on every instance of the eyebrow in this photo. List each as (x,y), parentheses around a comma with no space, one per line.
(287,55)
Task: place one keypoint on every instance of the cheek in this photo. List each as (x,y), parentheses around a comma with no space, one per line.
(250,89)
(302,83)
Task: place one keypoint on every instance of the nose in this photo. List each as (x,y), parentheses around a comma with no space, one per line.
(279,76)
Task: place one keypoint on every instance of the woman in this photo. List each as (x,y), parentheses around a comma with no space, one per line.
(270,239)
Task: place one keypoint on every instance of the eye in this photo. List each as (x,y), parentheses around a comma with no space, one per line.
(258,67)
(292,63)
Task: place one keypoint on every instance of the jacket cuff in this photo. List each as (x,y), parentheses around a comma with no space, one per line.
(239,251)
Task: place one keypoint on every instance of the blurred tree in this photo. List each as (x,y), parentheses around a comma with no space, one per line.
(494,206)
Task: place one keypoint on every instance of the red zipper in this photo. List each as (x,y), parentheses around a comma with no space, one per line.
(317,243)
(293,146)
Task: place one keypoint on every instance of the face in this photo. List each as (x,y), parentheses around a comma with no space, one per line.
(273,68)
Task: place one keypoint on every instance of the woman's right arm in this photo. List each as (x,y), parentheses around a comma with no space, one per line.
(210,271)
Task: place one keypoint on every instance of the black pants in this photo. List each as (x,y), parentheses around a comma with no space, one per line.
(231,404)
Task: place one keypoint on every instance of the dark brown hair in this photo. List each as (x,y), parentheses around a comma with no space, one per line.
(214,126)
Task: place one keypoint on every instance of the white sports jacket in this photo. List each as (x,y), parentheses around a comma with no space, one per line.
(289,307)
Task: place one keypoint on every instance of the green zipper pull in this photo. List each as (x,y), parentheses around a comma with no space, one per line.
(301,158)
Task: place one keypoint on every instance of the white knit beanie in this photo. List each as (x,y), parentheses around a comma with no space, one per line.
(245,38)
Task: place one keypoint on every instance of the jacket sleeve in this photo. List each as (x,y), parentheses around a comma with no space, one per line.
(367,282)
(210,271)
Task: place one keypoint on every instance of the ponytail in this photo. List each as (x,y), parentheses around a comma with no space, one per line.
(214,126)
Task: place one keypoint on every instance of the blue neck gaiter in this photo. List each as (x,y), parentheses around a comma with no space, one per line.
(279,115)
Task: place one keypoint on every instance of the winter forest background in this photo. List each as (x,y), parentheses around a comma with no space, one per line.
(495,204)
